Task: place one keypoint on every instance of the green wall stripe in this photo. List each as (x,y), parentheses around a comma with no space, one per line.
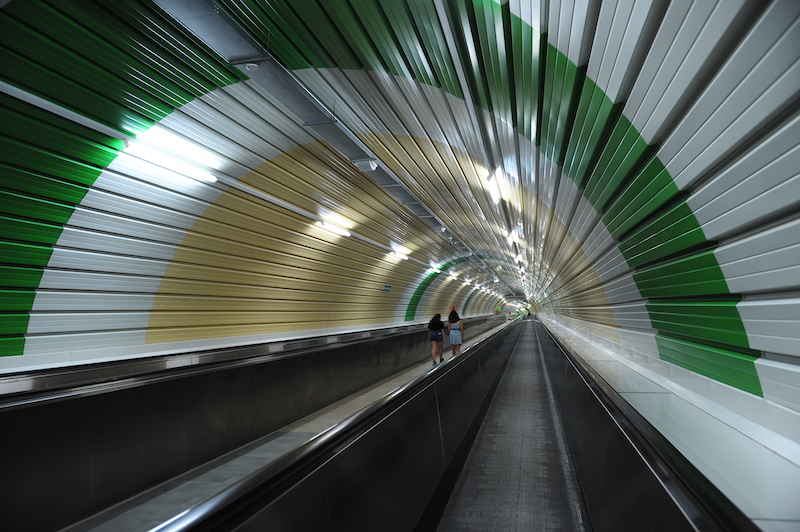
(403,36)
(20,277)
(593,122)
(87,49)
(287,37)
(525,64)
(434,46)
(125,65)
(696,275)
(13,345)
(622,154)
(674,230)
(32,158)
(716,321)
(733,368)
(16,300)
(30,231)
(29,183)
(411,310)
(648,191)
(12,325)
(25,254)
(31,207)
(125,68)
(413,304)
(467,303)
(142,26)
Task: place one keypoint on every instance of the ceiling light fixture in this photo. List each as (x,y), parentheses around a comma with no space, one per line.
(333,228)
(366,165)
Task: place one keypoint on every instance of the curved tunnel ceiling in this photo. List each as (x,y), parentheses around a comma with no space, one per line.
(625,168)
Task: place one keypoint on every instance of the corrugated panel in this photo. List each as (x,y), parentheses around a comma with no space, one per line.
(730,367)
(680,58)
(767,261)
(762,184)
(771,324)
(757,83)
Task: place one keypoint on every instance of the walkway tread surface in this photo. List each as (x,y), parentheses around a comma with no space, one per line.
(519,474)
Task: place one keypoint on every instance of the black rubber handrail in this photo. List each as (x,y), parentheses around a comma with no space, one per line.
(237,357)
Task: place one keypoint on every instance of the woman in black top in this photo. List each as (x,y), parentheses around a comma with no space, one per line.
(435,328)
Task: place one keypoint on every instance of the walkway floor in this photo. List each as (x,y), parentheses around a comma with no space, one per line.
(519,474)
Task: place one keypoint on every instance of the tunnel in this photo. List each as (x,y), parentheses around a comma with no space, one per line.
(215,210)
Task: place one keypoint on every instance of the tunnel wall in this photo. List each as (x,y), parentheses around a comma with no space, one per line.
(663,192)
(665,200)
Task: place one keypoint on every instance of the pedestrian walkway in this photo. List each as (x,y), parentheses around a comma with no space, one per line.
(519,474)
(163,502)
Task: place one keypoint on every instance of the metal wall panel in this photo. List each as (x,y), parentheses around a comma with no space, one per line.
(758,82)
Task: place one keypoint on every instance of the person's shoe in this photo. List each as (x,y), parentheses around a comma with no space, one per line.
(434,363)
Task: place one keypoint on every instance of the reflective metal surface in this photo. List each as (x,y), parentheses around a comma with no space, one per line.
(94,373)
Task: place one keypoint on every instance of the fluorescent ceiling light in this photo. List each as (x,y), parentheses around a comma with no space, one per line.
(333,228)
(170,162)
(165,140)
(494,189)
(399,255)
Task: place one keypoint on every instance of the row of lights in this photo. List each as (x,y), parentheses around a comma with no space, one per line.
(160,146)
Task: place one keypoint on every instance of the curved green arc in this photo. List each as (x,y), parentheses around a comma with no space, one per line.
(49,163)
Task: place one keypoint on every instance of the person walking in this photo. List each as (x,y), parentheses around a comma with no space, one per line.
(435,328)
(456,327)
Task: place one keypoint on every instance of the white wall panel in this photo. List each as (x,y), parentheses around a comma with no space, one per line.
(102,282)
(761,78)
(610,265)
(633,315)
(764,262)
(689,34)
(622,289)
(49,322)
(585,220)
(780,382)
(638,342)
(762,184)
(78,302)
(114,192)
(772,325)
(598,241)
(445,128)
(620,43)
(114,223)
(169,183)
(112,244)
(69,259)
